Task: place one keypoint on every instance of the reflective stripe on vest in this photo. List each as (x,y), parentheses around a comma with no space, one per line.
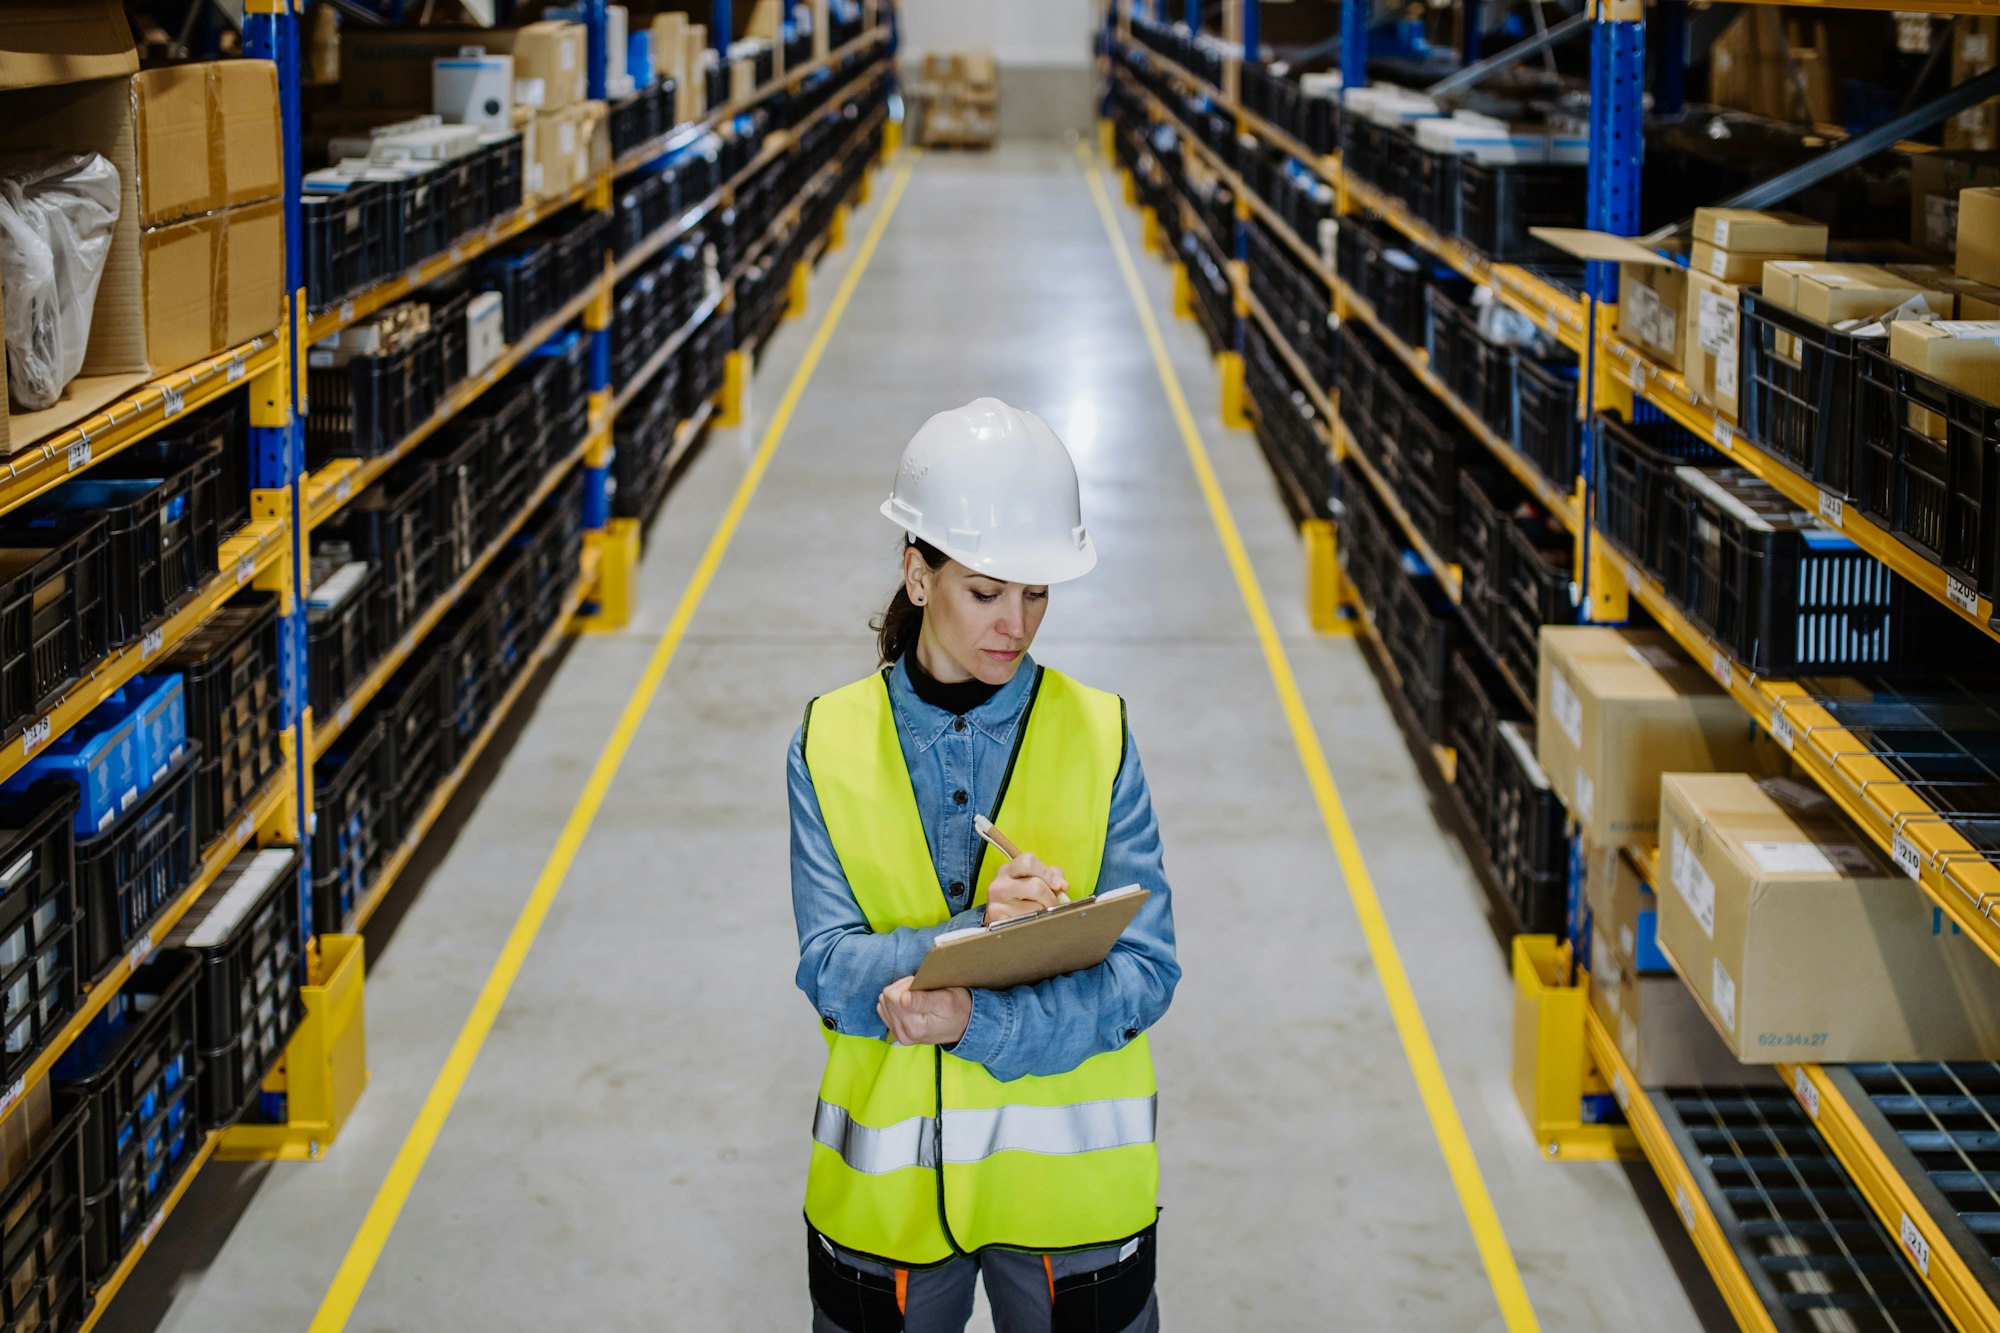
(974,1135)
(1062,1162)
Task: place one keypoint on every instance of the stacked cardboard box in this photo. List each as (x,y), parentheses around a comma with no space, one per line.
(1975,50)
(1731,248)
(956,100)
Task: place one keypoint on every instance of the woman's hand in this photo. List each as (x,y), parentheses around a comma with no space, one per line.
(924,1017)
(1024,886)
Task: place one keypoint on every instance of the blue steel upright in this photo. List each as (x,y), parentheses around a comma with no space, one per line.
(1354,43)
(277,447)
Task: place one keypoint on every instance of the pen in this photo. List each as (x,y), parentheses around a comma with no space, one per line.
(985,829)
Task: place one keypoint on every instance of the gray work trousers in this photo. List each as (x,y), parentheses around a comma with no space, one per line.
(1017,1290)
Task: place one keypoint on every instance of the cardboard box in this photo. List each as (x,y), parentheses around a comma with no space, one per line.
(1962,354)
(1975,50)
(554,163)
(1618,707)
(44,43)
(182,262)
(554,52)
(1979,235)
(1660,1029)
(1752,229)
(1835,293)
(1936,180)
(247,137)
(1737,266)
(1713,356)
(1652,299)
(742,79)
(253,272)
(1780,280)
(1982,305)
(1801,942)
(1623,908)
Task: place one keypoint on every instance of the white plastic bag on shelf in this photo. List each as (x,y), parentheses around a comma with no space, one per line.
(57,212)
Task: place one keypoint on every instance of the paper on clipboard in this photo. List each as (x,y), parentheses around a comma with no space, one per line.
(1027,949)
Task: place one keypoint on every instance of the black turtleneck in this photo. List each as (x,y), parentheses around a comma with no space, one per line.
(957,698)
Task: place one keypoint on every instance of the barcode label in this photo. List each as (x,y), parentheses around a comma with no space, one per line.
(79,454)
(8,1102)
(415,277)
(246,830)
(172,400)
(1907,857)
(1808,1095)
(244,569)
(1684,1206)
(236,370)
(140,950)
(344,714)
(346,311)
(1961,595)
(1725,435)
(152,644)
(343,488)
(1781,730)
(1919,1249)
(152,1228)
(457,254)
(35,737)
(1831,508)
(1720,665)
(1621,1092)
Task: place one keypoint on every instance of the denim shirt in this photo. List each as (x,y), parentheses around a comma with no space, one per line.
(956,767)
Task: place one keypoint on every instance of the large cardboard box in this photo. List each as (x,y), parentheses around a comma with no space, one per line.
(551,51)
(1714,319)
(248,140)
(252,286)
(1623,908)
(1801,941)
(1616,708)
(43,43)
(1979,235)
(553,165)
(1835,293)
(182,262)
(1660,1029)
(1975,50)
(1652,305)
(1935,182)
(1750,229)
(1963,354)
(208,137)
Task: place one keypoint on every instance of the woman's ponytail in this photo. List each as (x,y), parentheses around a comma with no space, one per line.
(897,628)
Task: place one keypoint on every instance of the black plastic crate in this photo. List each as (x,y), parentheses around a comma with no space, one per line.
(459,459)
(468,644)
(1543,421)
(505,175)
(1421,633)
(345,236)
(1481,701)
(1801,392)
(1636,487)
(1478,372)
(141,862)
(340,625)
(1487,500)
(390,525)
(510,595)
(524,275)
(417,747)
(1925,469)
(351,822)
(54,613)
(220,427)
(1499,204)
(200,499)
(235,709)
(448,342)
(365,405)
(1530,842)
(41,1233)
(1538,572)
(38,982)
(137,1071)
(1429,444)
(245,931)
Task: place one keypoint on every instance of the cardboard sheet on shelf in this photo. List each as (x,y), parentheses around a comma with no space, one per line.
(81,397)
(1034,948)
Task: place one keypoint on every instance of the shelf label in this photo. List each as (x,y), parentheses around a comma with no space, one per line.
(35,737)
(1725,435)
(141,949)
(172,401)
(152,1228)
(1808,1095)
(246,830)
(343,488)
(1781,729)
(346,312)
(1919,1249)
(344,714)
(79,454)
(1831,509)
(1620,1091)
(236,370)
(1907,857)
(150,646)
(1684,1206)
(244,569)
(14,1094)
(458,254)
(1720,665)
(1961,595)
(414,278)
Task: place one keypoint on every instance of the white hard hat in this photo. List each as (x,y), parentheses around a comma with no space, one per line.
(993,488)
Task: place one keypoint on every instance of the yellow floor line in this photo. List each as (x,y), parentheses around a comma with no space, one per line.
(1487,1235)
(373,1235)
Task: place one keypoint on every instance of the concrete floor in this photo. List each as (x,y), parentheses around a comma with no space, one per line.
(629,1150)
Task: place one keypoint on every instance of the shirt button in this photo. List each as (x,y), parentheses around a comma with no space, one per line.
(827,1023)
(958,724)
(957,889)
(958,796)
(1131,1034)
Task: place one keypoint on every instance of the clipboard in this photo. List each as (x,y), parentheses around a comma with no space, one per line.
(1027,949)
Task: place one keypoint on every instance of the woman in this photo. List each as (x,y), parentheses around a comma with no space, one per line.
(968,1132)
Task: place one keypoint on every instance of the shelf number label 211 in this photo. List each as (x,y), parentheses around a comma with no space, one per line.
(1914,1242)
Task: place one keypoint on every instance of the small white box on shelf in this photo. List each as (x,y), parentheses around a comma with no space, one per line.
(474,90)
(485,332)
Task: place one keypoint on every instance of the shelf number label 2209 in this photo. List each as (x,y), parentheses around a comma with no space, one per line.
(1961,595)
(1913,1241)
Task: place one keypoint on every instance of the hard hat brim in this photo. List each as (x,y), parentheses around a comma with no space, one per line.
(1040,568)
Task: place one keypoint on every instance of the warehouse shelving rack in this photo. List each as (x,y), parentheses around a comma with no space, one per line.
(288,503)
(1945,1255)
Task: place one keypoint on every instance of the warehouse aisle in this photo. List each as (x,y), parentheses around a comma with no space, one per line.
(628,1150)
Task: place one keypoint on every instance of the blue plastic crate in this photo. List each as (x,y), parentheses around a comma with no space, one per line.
(160,704)
(101,756)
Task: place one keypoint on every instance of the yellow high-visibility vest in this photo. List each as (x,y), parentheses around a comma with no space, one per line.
(919,1156)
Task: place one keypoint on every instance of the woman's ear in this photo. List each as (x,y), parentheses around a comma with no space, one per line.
(916,576)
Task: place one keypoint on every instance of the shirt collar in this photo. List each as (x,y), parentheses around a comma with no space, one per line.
(995,719)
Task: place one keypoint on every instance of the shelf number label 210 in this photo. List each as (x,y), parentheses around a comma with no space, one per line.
(1908,859)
